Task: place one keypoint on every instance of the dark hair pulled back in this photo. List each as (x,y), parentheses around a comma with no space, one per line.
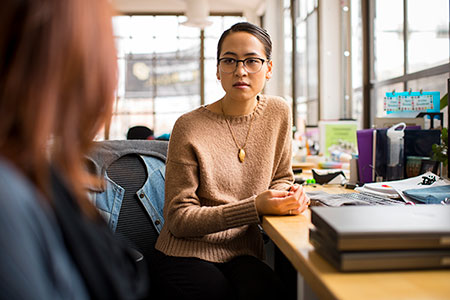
(258,32)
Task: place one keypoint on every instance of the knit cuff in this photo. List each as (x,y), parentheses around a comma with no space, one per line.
(241,213)
(282,186)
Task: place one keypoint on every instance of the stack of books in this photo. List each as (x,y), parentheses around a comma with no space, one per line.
(385,237)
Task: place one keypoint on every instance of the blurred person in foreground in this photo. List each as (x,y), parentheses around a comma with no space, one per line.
(57,81)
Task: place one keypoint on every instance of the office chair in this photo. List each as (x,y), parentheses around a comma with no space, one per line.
(134,226)
(123,163)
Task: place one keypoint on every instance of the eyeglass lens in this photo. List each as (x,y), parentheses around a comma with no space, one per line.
(252,65)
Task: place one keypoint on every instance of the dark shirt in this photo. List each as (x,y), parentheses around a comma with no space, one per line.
(34,262)
(56,252)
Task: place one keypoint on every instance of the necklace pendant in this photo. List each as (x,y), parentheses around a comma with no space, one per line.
(241,155)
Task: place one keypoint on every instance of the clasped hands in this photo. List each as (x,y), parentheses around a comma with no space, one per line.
(275,202)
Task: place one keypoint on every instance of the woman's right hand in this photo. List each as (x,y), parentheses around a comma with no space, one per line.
(275,202)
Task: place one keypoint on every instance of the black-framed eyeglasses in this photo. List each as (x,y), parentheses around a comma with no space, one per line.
(251,64)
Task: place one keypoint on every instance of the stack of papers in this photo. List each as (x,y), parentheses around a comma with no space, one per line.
(395,189)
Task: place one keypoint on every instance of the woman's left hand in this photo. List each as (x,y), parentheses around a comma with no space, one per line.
(299,194)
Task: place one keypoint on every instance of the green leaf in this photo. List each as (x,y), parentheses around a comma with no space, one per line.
(444,101)
(440,151)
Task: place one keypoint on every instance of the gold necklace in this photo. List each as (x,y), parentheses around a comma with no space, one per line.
(241,152)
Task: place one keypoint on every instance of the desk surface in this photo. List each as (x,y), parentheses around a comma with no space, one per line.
(290,234)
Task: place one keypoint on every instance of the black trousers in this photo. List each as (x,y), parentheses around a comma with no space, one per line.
(244,277)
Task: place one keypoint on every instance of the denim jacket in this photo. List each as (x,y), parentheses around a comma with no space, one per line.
(151,195)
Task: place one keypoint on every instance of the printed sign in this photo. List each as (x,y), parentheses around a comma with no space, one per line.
(412,102)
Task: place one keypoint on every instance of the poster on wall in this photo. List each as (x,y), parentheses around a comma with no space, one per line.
(338,137)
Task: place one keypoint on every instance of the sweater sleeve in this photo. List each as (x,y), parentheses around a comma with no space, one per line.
(283,176)
(185,214)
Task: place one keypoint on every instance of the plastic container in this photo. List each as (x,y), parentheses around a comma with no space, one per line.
(340,156)
(395,154)
(354,169)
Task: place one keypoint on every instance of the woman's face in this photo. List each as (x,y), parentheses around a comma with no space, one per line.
(240,84)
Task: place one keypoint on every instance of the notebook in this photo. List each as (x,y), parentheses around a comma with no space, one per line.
(384,227)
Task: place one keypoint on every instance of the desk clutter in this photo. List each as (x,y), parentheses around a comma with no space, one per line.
(385,237)
(384,225)
(374,155)
(427,188)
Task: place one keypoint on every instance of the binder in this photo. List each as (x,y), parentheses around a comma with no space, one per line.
(365,154)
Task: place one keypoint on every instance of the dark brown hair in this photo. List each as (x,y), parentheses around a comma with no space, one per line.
(57,80)
(258,32)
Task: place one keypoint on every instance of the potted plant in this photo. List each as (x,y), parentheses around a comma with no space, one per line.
(440,152)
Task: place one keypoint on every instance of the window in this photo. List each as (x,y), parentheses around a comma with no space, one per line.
(213,88)
(411,48)
(159,70)
(287,51)
(428,36)
(388,39)
(357,63)
(307,62)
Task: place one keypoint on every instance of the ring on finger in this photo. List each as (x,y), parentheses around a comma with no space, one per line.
(290,212)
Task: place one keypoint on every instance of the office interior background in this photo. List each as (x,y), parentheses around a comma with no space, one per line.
(333,59)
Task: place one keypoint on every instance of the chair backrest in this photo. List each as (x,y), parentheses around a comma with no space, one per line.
(134,225)
(125,162)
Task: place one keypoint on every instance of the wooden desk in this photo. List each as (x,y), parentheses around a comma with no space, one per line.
(290,234)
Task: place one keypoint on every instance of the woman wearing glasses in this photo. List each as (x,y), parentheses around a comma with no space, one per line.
(228,164)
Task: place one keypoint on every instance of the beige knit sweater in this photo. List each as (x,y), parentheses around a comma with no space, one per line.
(210,210)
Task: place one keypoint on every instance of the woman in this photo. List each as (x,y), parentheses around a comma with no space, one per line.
(228,164)
(57,82)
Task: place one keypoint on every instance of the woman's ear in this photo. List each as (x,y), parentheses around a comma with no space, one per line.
(269,70)
(217,73)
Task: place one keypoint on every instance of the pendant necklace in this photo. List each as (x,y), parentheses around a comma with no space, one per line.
(241,152)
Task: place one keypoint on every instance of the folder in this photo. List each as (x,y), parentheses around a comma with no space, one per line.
(365,154)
